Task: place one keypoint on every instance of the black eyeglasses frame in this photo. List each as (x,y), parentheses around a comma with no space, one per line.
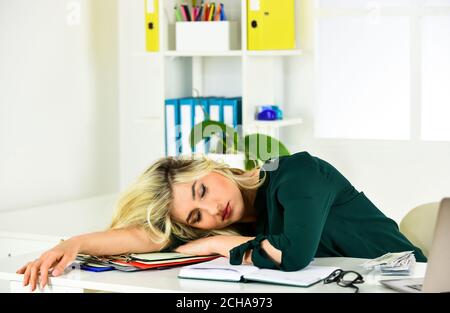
(338,275)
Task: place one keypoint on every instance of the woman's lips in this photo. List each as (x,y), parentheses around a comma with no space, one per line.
(227,211)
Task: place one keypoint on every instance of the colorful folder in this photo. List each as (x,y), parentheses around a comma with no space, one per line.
(232,111)
(182,114)
(172,129)
(187,118)
(201,108)
(270,24)
(151,25)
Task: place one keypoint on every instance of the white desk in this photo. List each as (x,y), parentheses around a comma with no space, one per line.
(166,281)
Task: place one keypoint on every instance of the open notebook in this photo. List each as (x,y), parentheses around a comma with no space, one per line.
(220,269)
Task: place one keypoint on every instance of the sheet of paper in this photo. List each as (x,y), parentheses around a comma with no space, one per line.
(305,277)
(224,264)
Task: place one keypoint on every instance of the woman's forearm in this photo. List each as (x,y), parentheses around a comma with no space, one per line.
(224,244)
(115,241)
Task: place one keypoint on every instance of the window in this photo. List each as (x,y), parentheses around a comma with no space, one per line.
(436,78)
(383,70)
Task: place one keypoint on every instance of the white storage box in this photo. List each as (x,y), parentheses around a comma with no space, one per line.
(207,36)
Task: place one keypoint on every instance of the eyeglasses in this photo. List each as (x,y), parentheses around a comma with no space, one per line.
(345,279)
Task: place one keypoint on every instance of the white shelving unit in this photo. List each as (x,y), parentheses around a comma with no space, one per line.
(258,76)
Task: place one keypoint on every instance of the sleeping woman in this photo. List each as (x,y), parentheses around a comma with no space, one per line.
(278,216)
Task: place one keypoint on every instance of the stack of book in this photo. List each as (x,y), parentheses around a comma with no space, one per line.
(138,261)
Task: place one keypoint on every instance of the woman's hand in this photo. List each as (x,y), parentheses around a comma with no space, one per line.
(219,244)
(202,246)
(56,259)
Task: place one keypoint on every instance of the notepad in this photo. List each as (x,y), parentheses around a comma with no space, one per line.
(221,270)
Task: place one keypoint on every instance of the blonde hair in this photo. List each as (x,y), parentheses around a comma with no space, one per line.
(147,201)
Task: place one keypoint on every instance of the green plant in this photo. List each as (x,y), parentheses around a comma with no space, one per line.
(256,147)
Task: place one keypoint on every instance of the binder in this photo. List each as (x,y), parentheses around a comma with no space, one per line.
(270,24)
(215,106)
(172,127)
(187,111)
(201,107)
(151,25)
(232,111)
(215,114)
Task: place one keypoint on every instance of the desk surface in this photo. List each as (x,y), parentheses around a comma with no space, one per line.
(166,280)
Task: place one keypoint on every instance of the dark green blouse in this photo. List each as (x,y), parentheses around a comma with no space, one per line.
(307,209)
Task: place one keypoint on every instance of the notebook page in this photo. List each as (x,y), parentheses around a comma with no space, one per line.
(217,269)
(303,278)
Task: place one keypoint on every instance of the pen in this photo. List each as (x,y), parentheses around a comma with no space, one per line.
(183,12)
(222,13)
(178,14)
(199,15)
(188,13)
(211,12)
(207,8)
(218,13)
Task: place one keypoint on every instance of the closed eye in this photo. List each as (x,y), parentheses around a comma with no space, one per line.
(203,191)
(198,215)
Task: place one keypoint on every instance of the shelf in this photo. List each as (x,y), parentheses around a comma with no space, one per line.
(233,53)
(276,124)
(147,119)
(274,53)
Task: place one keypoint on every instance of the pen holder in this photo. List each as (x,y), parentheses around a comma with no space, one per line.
(206,36)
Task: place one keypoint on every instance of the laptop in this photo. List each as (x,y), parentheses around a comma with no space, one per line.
(437,275)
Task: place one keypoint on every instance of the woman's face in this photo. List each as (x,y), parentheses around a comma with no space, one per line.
(211,202)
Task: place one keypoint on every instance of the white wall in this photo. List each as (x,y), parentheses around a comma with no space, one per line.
(58,101)
(141,128)
(396,175)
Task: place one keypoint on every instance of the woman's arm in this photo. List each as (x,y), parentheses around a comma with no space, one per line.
(110,242)
(222,244)
(116,241)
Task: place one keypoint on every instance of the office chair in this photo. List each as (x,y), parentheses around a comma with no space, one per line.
(418,225)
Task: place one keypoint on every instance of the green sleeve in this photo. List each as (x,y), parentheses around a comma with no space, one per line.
(305,196)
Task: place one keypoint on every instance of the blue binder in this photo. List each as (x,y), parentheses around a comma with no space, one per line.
(172,127)
(215,105)
(187,119)
(182,114)
(201,107)
(232,111)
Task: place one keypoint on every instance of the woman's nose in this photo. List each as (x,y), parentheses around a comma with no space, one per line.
(212,208)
